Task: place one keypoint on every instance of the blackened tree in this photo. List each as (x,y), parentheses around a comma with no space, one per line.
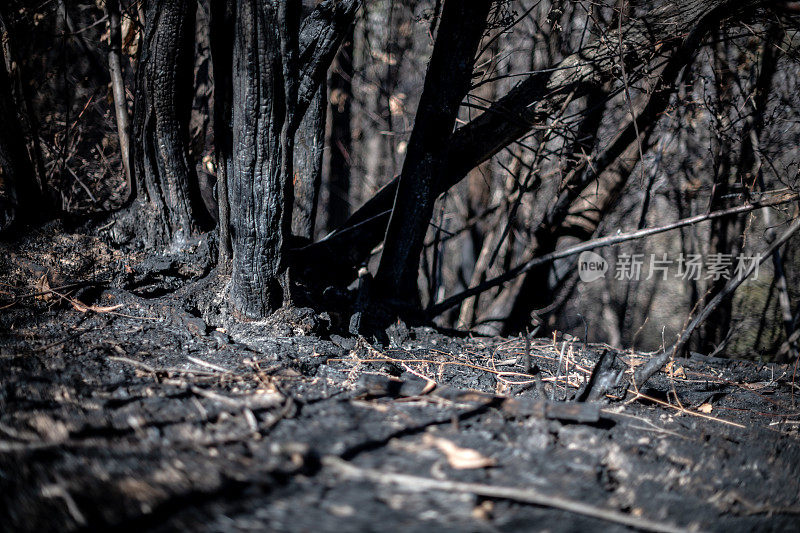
(168,207)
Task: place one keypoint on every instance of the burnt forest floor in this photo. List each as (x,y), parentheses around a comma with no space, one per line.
(131,408)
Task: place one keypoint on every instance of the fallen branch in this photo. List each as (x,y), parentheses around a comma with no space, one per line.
(524,495)
(600,243)
(83,308)
(640,396)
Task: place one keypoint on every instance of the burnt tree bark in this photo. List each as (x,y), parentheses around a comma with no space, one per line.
(321,34)
(264,97)
(308,150)
(446,84)
(341,135)
(169,208)
(265,82)
(221,34)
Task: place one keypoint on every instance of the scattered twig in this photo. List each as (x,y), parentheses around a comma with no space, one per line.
(82,184)
(58,491)
(639,395)
(52,290)
(133,362)
(62,341)
(160,370)
(207,364)
(211,395)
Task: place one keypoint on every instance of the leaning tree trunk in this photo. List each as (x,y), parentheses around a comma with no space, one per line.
(446,84)
(264,96)
(169,208)
(118,89)
(17,183)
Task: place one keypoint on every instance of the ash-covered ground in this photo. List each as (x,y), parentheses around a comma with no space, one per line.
(133,409)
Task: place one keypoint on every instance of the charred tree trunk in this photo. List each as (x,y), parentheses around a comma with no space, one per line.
(265,82)
(221,30)
(341,135)
(169,207)
(18,190)
(446,84)
(308,151)
(276,75)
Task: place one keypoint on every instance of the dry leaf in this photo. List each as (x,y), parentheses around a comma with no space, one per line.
(78,306)
(462,458)
(483,511)
(705,408)
(42,285)
(429,386)
(675,370)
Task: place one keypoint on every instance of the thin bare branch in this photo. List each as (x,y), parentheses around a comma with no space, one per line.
(600,243)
